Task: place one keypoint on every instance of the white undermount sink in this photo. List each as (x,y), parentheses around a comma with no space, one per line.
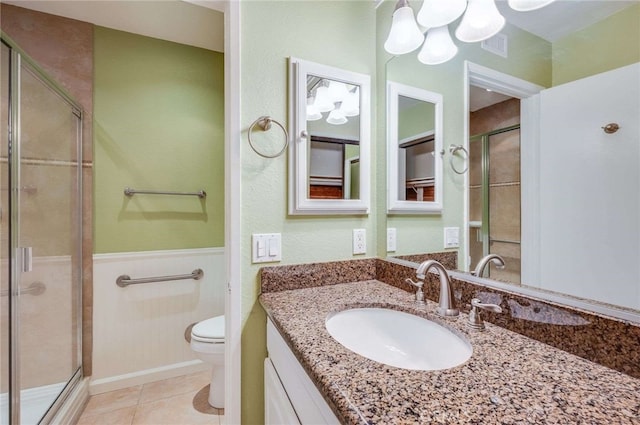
(398,339)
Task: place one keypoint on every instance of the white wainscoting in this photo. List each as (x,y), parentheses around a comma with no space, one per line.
(138,331)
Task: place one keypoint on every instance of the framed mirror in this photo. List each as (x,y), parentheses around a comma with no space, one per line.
(330,122)
(414,142)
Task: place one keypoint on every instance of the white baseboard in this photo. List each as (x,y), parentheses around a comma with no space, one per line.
(145,376)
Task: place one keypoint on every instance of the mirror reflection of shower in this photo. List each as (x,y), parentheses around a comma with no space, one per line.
(494,181)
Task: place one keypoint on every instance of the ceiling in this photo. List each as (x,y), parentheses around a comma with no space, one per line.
(197,23)
(562,17)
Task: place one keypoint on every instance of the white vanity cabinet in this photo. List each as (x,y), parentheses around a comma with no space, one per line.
(290,395)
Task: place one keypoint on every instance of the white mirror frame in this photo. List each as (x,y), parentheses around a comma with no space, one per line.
(299,201)
(394,204)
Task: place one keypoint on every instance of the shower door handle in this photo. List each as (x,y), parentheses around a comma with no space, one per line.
(26,258)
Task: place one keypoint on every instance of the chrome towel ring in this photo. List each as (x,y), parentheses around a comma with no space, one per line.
(264,123)
(453,149)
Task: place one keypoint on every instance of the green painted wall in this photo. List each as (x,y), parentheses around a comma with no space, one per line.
(335,33)
(158,125)
(416,120)
(606,45)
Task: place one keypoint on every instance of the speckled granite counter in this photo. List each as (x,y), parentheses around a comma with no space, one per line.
(510,379)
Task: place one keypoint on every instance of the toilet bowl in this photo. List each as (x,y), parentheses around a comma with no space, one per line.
(207,342)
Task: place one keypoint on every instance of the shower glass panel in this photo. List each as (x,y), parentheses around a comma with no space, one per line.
(494,194)
(40,177)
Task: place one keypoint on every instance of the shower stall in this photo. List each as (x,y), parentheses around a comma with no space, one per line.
(494,200)
(40,241)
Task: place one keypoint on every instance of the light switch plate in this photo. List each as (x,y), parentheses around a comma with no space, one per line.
(451,237)
(266,247)
(391,239)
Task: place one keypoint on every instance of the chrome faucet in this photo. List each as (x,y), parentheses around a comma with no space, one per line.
(446,307)
(475,320)
(484,261)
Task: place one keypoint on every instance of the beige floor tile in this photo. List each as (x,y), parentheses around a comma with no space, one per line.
(174,386)
(177,410)
(113,400)
(115,417)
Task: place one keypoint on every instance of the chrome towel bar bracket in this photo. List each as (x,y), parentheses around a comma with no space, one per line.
(130,192)
(264,123)
(125,280)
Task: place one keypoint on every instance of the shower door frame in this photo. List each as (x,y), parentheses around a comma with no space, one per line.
(17,58)
(485,163)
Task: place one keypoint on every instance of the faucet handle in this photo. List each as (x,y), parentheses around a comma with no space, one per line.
(419,293)
(475,320)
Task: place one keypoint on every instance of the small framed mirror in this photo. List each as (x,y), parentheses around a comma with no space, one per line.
(330,122)
(414,157)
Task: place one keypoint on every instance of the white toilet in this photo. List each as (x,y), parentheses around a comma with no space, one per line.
(207,341)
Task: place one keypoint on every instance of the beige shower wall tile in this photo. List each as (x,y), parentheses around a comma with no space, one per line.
(500,115)
(504,157)
(504,204)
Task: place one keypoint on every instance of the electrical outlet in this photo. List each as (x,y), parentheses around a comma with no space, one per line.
(391,239)
(359,241)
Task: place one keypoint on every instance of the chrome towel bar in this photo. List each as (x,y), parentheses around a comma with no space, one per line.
(130,192)
(125,280)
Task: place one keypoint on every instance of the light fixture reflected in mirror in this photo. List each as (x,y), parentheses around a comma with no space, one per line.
(312,112)
(350,107)
(336,117)
(323,103)
(481,20)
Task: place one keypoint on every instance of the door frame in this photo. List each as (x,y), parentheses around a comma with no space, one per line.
(527,92)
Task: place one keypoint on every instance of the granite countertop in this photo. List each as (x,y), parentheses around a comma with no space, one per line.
(509,379)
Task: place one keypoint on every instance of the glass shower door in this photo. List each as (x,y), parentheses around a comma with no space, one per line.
(41,210)
(49,241)
(4,236)
(494,212)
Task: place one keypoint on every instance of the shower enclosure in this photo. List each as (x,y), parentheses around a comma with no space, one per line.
(494,200)
(40,241)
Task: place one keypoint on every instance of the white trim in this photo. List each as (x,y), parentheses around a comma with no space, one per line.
(396,205)
(506,84)
(126,380)
(141,255)
(299,202)
(232,214)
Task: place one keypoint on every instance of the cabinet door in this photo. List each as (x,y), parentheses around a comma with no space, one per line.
(277,407)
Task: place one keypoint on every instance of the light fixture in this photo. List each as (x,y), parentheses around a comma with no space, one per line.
(438,47)
(528,5)
(336,117)
(322,102)
(480,22)
(405,35)
(436,13)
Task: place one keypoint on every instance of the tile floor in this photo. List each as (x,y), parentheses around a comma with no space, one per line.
(180,400)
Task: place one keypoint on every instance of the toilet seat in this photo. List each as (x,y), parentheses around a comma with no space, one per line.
(210,331)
